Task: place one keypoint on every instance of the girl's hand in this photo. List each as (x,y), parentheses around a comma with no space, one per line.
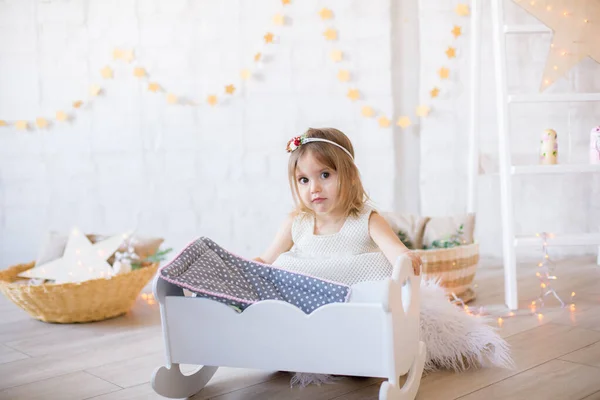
(416,261)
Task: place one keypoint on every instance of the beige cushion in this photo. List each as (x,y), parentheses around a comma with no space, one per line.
(55,243)
(412,225)
(441,227)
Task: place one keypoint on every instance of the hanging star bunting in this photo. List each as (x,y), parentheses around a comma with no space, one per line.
(229,89)
(383,121)
(117,54)
(128,56)
(257,57)
(444,73)
(451,52)
(269,37)
(330,34)
(286,2)
(61,116)
(344,75)
(245,74)
(457,31)
(77,104)
(404,122)
(41,122)
(21,125)
(423,111)
(434,92)
(278,19)
(3,123)
(326,13)
(153,87)
(336,55)
(462,10)
(139,72)
(353,94)
(106,72)
(367,111)
(576,27)
(212,100)
(95,90)
(172,99)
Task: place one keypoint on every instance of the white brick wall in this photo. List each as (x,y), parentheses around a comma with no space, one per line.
(181,172)
(174,171)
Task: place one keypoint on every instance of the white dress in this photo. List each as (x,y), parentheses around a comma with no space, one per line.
(453,338)
(349,256)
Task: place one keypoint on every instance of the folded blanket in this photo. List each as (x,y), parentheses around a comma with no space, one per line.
(210,271)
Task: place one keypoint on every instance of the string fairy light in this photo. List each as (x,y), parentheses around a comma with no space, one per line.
(545,274)
(148,298)
(574,34)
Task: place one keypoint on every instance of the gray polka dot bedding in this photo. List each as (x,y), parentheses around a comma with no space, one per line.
(210,271)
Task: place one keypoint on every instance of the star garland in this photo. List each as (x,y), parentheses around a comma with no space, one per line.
(140,72)
(354,94)
(330,34)
(444,72)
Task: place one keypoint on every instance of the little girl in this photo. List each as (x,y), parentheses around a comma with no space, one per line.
(333,233)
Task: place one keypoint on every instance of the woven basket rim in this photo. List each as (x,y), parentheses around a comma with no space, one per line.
(9,276)
(465,247)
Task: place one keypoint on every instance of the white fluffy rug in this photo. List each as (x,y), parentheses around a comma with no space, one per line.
(455,340)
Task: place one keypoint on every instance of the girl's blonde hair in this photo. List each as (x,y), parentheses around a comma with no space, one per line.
(351,194)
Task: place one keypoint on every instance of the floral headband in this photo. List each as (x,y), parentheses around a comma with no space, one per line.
(298,141)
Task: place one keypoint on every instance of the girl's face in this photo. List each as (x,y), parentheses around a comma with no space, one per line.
(317,184)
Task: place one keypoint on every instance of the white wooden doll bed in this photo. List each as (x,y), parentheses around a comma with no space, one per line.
(374,334)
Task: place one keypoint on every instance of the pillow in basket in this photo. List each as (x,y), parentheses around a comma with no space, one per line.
(442,227)
(412,225)
(55,243)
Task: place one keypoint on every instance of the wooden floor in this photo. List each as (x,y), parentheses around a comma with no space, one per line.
(557,355)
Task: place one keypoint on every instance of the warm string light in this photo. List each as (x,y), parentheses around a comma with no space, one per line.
(480,311)
(563,53)
(544,274)
(148,298)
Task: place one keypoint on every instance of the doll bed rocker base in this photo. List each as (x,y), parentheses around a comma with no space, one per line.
(374,334)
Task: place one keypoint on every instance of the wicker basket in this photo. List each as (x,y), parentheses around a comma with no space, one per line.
(93,300)
(455,267)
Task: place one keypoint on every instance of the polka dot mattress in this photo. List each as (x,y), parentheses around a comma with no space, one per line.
(210,271)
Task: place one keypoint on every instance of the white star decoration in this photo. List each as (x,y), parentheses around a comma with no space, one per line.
(81,260)
(576,28)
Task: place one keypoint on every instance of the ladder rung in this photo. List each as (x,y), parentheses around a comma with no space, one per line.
(573,239)
(553,98)
(526,29)
(554,169)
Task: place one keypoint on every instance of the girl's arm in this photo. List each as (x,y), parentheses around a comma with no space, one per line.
(391,246)
(282,242)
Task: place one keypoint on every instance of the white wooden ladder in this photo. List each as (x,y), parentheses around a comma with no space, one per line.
(507,170)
